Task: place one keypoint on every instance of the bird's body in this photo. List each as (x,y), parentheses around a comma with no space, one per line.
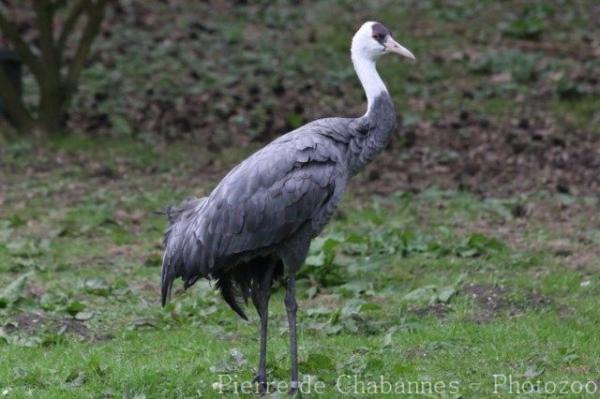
(287,191)
(258,222)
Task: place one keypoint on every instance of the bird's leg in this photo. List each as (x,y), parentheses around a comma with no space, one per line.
(291,307)
(261,375)
(263,310)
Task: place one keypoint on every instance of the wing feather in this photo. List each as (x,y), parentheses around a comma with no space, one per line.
(261,203)
(256,207)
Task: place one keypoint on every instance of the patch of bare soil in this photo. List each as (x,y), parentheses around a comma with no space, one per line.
(494,300)
(33,324)
(488,157)
(439,310)
(491,300)
(415,352)
(75,328)
(29,323)
(535,300)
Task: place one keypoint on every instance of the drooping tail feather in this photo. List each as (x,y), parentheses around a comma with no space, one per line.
(228,291)
(182,258)
(244,281)
(176,235)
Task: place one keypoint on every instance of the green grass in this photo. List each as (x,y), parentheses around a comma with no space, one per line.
(390,290)
(443,286)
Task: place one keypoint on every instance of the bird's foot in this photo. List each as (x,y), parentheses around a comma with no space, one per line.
(261,381)
(294,389)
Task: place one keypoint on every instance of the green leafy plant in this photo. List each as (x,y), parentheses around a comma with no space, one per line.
(530,24)
(320,266)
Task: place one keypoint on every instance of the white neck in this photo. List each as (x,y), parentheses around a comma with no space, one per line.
(369,78)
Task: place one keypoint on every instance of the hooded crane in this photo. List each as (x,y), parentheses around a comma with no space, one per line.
(257,224)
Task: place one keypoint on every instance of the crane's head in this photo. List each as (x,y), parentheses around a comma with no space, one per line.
(373,40)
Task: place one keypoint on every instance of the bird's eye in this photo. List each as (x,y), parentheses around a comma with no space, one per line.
(378,36)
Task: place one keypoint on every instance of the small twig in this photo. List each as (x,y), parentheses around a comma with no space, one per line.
(95,14)
(72,17)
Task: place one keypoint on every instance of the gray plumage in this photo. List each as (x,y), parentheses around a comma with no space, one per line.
(286,192)
(257,224)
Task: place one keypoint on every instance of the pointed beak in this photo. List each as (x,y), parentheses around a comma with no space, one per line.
(394,47)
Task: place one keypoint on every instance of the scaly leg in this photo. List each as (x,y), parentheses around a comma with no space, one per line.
(263,310)
(291,307)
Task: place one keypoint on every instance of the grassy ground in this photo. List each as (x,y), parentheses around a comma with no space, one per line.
(441,286)
(474,264)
